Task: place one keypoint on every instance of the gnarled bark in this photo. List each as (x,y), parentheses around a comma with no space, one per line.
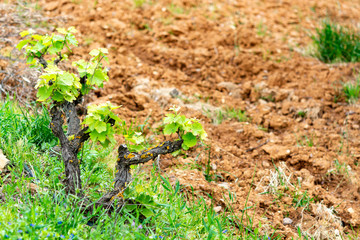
(125,160)
(68,152)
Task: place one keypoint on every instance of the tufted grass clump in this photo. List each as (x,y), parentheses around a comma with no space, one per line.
(352,91)
(334,43)
(16,123)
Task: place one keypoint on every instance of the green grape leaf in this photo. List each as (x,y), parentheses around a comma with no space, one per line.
(58,38)
(171,128)
(72,40)
(47,40)
(44,93)
(65,79)
(81,67)
(24,33)
(103,51)
(72,29)
(94,136)
(56,47)
(184,146)
(21,44)
(69,97)
(62,31)
(30,59)
(196,128)
(90,122)
(169,118)
(57,96)
(38,47)
(94,52)
(180,119)
(136,148)
(37,37)
(100,127)
(98,78)
(189,139)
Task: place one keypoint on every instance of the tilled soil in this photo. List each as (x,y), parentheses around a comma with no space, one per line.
(248,55)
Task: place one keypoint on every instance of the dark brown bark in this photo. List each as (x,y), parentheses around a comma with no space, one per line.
(126,159)
(42,61)
(73,121)
(69,152)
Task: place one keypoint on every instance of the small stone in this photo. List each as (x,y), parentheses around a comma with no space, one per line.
(217,209)
(224,185)
(276,152)
(213,166)
(229,86)
(278,122)
(3,161)
(287,221)
(265,164)
(351,211)
(51,6)
(174,93)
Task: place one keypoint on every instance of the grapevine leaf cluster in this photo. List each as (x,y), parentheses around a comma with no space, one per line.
(102,123)
(62,86)
(93,70)
(58,84)
(39,45)
(190,130)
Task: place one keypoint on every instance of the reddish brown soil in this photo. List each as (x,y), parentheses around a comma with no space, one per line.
(250,55)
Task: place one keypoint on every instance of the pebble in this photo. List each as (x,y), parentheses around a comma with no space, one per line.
(174,93)
(217,209)
(287,221)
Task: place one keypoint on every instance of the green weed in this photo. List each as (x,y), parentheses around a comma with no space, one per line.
(352,91)
(340,169)
(335,43)
(17,123)
(261,29)
(217,117)
(301,113)
(305,141)
(176,9)
(263,128)
(139,3)
(302,200)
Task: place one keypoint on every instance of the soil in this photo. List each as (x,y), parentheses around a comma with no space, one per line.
(249,55)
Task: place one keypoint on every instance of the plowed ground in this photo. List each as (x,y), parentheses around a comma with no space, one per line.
(249,55)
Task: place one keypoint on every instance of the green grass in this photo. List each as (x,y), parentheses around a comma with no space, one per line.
(261,29)
(50,213)
(176,9)
(304,140)
(18,123)
(217,117)
(334,43)
(139,3)
(301,113)
(352,91)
